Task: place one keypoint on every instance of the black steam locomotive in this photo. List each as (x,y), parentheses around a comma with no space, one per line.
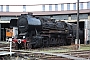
(37,32)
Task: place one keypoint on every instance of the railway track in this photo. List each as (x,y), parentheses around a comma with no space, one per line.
(44,54)
(23,54)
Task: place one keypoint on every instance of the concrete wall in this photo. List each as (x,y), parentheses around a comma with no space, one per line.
(7,18)
(81,16)
(49,6)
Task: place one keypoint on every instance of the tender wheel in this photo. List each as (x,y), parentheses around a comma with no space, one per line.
(28,43)
(62,42)
(15,46)
(29,46)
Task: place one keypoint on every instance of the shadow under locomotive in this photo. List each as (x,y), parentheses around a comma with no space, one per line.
(36,32)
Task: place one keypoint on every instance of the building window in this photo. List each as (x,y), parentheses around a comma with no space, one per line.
(50,7)
(62,6)
(81,5)
(7,8)
(1,8)
(88,5)
(74,6)
(43,7)
(24,8)
(56,7)
(68,6)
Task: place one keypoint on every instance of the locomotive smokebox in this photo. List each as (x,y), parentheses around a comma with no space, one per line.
(26,22)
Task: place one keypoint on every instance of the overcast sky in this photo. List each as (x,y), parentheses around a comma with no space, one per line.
(32,2)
